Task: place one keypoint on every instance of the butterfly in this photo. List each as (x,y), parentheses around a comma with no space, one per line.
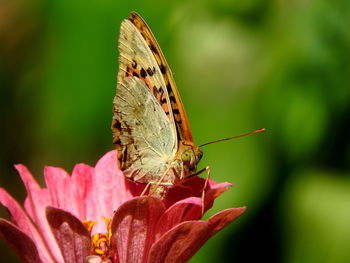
(150,126)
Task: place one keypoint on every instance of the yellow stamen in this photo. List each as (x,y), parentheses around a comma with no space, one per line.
(101,242)
(89,224)
(99,251)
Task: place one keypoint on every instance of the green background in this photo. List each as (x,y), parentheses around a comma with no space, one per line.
(239,66)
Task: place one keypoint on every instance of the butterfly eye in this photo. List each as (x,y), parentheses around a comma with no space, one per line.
(186,156)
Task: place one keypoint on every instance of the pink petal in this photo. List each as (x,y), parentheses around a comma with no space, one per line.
(223,218)
(35,204)
(133,228)
(193,188)
(70,192)
(71,235)
(20,218)
(20,242)
(184,210)
(110,188)
(58,185)
(29,183)
(213,192)
(180,243)
(82,184)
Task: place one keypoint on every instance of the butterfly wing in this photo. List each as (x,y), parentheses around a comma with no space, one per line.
(178,110)
(141,151)
(145,136)
(136,59)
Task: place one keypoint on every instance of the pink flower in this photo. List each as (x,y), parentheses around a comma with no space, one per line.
(96,215)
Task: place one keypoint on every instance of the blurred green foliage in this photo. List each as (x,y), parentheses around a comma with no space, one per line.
(239,65)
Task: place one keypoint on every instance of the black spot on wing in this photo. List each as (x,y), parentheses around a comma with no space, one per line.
(150,72)
(143,73)
(162,68)
(168,88)
(153,48)
(172,99)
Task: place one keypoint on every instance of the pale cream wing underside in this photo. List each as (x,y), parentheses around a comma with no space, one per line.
(133,48)
(146,133)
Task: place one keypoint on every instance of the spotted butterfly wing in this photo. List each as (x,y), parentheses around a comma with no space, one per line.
(150,127)
(180,117)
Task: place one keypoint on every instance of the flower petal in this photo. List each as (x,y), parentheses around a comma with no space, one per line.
(70,192)
(184,210)
(193,188)
(223,218)
(133,227)
(214,191)
(190,188)
(21,220)
(81,187)
(20,242)
(71,235)
(18,216)
(58,183)
(180,243)
(110,188)
(35,203)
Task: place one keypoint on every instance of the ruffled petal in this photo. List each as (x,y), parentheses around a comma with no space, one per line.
(133,228)
(184,210)
(71,235)
(36,202)
(20,242)
(180,243)
(21,220)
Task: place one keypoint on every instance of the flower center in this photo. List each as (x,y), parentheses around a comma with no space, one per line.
(101,243)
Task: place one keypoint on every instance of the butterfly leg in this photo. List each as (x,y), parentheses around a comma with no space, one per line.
(145,189)
(205,185)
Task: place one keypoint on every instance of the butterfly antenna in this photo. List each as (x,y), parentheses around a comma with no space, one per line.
(235,137)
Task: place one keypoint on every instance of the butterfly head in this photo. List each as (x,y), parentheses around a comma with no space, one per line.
(190,155)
